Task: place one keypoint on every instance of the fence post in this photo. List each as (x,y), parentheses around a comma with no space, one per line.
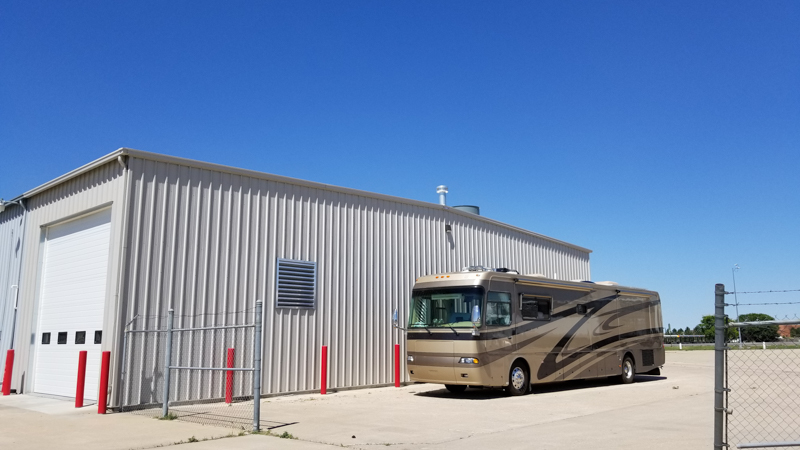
(719,364)
(124,391)
(167,362)
(257,369)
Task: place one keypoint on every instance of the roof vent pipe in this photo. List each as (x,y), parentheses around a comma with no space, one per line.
(442,191)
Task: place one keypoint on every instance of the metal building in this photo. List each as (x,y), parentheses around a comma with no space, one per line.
(136,233)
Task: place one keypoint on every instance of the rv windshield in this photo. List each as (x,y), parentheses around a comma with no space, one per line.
(444,307)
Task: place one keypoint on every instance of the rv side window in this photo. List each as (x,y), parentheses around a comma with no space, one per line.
(536,308)
(498,309)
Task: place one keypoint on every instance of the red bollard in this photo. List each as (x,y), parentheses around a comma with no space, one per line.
(7,374)
(229,378)
(397,365)
(81,379)
(323,376)
(102,396)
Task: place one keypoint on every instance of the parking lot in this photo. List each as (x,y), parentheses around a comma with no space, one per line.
(671,411)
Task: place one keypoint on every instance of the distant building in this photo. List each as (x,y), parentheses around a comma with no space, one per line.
(786,330)
(135,234)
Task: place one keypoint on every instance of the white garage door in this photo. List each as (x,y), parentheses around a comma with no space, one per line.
(73,294)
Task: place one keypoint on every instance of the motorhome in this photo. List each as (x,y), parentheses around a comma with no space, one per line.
(497,328)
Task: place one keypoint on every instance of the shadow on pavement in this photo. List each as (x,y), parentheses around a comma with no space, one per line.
(481,393)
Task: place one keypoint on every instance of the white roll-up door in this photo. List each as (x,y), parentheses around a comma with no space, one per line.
(72,301)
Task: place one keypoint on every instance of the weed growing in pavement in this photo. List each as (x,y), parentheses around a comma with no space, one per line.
(284,435)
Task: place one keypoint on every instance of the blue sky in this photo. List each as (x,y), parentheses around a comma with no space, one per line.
(664,136)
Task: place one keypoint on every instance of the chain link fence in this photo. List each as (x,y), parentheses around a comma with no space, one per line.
(206,366)
(757,384)
(763,398)
(678,341)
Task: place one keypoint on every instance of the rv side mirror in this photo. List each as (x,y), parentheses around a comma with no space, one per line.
(476,317)
(396,322)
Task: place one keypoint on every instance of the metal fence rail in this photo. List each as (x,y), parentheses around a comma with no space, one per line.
(757,387)
(205,370)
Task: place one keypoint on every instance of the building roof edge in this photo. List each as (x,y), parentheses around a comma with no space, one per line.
(279,178)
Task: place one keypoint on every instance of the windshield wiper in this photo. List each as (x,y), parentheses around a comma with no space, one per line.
(454,330)
(426,329)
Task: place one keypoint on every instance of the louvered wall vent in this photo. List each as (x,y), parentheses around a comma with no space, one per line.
(297,283)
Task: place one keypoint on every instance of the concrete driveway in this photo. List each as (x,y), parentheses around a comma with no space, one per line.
(672,411)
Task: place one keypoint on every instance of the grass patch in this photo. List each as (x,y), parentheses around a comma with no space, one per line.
(169,416)
(690,347)
(734,346)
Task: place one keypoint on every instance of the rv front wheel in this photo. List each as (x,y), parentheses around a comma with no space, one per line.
(628,370)
(518,380)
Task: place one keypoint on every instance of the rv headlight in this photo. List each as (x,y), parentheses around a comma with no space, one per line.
(468,361)
(410,358)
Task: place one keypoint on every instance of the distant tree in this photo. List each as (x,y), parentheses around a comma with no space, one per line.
(707,329)
(760,333)
(794,332)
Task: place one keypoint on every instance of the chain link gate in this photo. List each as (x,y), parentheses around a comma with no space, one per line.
(757,387)
(213,368)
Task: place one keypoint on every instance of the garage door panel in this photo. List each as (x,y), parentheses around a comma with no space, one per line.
(60,365)
(73,294)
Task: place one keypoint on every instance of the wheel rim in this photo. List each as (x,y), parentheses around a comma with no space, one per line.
(627,369)
(517,378)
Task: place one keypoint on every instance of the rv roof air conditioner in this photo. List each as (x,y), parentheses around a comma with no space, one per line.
(488,269)
(476,269)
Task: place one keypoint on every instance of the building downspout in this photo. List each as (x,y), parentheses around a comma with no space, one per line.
(22,204)
(116,397)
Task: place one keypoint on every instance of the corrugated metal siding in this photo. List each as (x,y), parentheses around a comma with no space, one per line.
(205,242)
(11,222)
(88,191)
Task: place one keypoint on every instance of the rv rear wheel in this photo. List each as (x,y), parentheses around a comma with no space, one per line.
(518,379)
(628,370)
(456,388)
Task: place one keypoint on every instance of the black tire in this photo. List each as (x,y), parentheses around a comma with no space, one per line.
(518,381)
(628,370)
(456,388)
